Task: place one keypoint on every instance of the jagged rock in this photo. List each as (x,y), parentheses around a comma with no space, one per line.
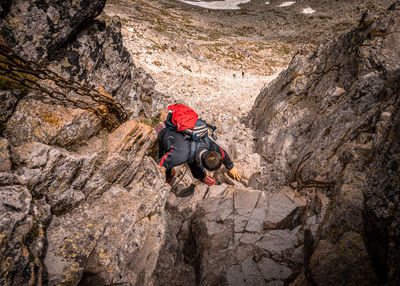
(94,212)
(381,210)
(22,241)
(5,162)
(343,263)
(36,29)
(126,148)
(307,118)
(34,120)
(277,241)
(8,100)
(325,123)
(55,174)
(279,208)
(128,203)
(97,58)
(274,271)
(94,56)
(230,244)
(134,216)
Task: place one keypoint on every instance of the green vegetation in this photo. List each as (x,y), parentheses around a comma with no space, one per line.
(153,121)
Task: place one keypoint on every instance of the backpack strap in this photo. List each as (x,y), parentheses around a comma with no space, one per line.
(193,148)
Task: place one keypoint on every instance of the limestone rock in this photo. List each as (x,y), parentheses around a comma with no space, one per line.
(227,240)
(331,264)
(36,29)
(327,122)
(315,113)
(34,120)
(5,162)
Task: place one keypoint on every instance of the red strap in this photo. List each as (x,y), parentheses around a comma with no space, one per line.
(222,153)
(165,157)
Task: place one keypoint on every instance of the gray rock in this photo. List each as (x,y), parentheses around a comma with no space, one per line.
(36,29)
(235,276)
(244,203)
(251,273)
(327,122)
(330,264)
(277,241)
(8,100)
(280,207)
(52,173)
(307,124)
(272,270)
(298,255)
(5,162)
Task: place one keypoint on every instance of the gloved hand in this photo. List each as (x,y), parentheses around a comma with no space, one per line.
(234,173)
(209,180)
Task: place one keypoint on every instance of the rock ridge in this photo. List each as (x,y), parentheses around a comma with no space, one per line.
(323,124)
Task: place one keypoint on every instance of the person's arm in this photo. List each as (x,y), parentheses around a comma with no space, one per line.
(232,170)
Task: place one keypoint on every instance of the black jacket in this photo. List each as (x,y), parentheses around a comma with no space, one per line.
(174,150)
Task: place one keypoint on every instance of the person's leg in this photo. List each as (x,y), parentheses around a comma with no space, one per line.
(197,171)
(169,174)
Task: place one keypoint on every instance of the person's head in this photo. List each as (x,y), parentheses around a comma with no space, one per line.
(212,160)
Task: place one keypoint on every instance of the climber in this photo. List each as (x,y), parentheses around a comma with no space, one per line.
(175,150)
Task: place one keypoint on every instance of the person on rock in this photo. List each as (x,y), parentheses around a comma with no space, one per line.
(175,150)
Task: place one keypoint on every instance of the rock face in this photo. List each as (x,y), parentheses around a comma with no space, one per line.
(37,28)
(233,235)
(78,204)
(328,121)
(77,48)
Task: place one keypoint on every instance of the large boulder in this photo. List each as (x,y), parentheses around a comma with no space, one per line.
(77,204)
(328,121)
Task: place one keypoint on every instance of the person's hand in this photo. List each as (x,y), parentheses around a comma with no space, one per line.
(234,173)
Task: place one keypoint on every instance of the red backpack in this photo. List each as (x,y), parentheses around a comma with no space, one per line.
(183,119)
